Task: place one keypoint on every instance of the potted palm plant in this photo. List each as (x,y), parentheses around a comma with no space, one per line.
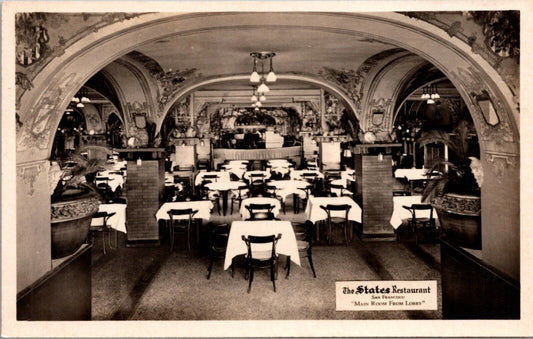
(455,194)
(74,200)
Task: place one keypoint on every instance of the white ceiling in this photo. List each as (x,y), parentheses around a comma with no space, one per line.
(227,52)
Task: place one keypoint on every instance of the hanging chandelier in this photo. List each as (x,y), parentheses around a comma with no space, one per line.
(256,78)
(430,93)
(81,98)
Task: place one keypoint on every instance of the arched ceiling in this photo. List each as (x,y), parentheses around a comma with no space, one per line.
(227,51)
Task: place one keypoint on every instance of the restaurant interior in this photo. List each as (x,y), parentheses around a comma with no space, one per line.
(307,143)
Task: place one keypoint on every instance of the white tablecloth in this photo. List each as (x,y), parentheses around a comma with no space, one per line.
(285,188)
(115,180)
(348,175)
(399,213)
(411,173)
(237,169)
(314,213)
(278,162)
(337,191)
(245,214)
(222,176)
(203,206)
(117,221)
(287,245)
(238,162)
(297,175)
(248,174)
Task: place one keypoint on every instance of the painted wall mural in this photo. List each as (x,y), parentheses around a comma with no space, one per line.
(170,82)
(37,132)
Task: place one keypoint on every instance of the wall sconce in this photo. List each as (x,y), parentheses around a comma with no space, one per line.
(139,161)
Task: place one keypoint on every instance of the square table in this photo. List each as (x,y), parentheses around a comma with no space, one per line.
(224,187)
(203,206)
(114,180)
(285,188)
(245,214)
(116,222)
(298,175)
(248,174)
(314,213)
(287,245)
(399,213)
(221,176)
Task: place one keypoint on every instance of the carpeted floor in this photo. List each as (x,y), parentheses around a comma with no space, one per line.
(153,284)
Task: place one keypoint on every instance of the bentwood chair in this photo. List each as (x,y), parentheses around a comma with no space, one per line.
(304,239)
(258,256)
(260,212)
(257,181)
(340,221)
(103,227)
(272,192)
(239,195)
(341,190)
(211,195)
(181,219)
(424,223)
(218,241)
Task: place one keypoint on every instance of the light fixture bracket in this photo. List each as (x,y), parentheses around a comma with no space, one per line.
(263,55)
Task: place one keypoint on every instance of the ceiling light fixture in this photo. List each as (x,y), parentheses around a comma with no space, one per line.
(81,98)
(256,78)
(430,93)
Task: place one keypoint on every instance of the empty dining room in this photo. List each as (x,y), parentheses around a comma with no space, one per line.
(206,167)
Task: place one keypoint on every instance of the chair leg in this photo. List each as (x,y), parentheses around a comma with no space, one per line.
(250,279)
(103,241)
(171,236)
(310,258)
(210,268)
(189,237)
(329,234)
(345,233)
(288,267)
(272,276)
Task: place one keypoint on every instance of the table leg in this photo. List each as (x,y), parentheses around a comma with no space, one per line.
(224,201)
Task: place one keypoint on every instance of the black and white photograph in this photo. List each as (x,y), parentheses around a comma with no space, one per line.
(266,169)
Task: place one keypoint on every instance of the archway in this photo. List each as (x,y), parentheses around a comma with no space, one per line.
(41,108)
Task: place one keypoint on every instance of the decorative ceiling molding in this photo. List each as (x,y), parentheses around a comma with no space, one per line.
(497,29)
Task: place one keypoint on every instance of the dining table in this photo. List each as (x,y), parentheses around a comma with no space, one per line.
(223,187)
(245,214)
(314,213)
(298,174)
(285,188)
(221,176)
(237,169)
(204,208)
(116,221)
(248,174)
(287,244)
(114,180)
(399,213)
(341,182)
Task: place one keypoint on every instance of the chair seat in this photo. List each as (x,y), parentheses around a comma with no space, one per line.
(337,220)
(261,255)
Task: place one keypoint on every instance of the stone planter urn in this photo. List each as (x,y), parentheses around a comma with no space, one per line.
(460,219)
(71,219)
